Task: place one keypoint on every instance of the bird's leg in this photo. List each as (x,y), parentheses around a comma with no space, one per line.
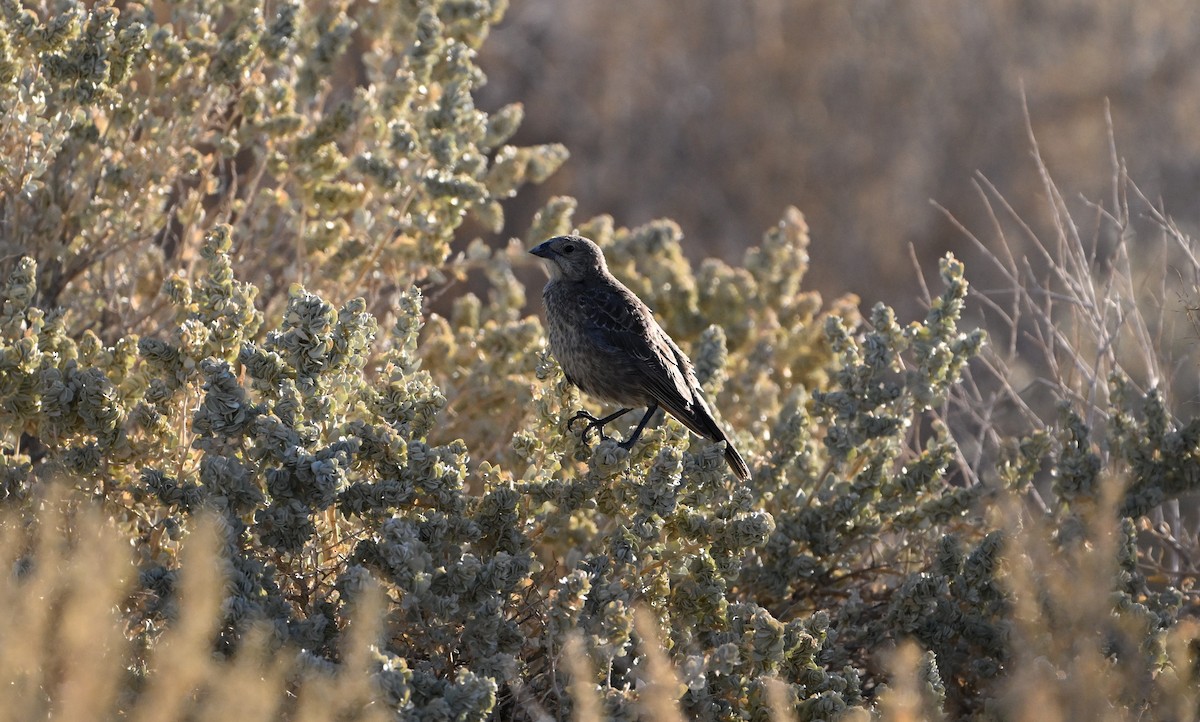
(627,444)
(593,422)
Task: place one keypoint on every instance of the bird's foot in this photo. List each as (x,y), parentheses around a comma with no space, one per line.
(593,424)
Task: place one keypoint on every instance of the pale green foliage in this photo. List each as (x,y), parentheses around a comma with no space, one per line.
(126,139)
(309,440)
(176,181)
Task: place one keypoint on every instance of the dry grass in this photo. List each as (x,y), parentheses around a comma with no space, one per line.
(1107,292)
(68,653)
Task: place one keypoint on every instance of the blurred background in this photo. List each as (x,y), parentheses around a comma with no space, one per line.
(861,112)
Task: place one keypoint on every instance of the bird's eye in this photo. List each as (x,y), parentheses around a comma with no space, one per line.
(569,248)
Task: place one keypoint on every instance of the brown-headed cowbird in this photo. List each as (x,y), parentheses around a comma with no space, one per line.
(610,346)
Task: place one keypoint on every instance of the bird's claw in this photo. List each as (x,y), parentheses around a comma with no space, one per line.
(593,423)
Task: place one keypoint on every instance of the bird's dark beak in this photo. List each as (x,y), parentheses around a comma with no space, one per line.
(543,251)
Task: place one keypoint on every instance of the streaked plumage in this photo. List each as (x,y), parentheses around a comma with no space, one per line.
(610,346)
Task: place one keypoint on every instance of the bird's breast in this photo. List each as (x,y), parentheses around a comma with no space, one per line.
(586,363)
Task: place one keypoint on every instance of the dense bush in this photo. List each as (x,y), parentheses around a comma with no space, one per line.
(401,527)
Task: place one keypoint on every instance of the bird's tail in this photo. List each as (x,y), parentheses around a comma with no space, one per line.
(700,421)
(736,462)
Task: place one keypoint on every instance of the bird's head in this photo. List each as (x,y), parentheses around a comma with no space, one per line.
(571,258)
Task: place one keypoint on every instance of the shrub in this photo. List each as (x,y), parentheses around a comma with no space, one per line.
(403,526)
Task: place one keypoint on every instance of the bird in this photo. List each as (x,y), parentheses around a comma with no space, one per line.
(609,345)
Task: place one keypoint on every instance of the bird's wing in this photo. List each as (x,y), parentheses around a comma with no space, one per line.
(622,325)
(623,329)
